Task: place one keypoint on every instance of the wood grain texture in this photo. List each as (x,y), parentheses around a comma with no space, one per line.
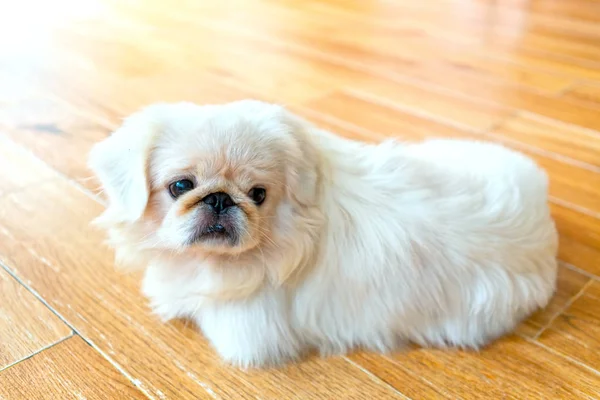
(573,251)
(512,368)
(569,284)
(27,326)
(524,74)
(69,370)
(15,173)
(432,103)
(584,92)
(568,141)
(486,95)
(393,373)
(576,332)
(401,45)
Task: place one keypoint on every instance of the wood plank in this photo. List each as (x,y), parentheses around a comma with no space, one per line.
(278,71)
(398,64)
(15,173)
(488,92)
(442,106)
(399,377)
(581,227)
(563,45)
(569,284)
(369,46)
(511,74)
(511,368)
(576,332)
(105,97)
(495,30)
(544,61)
(448,62)
(373,122)
(542,49)
(69,370)
(575,11)
(106,308)
(53,131)
(586,92)
(556,15)
(582,255)
(102,102)
(449,74)
(426,74)
(28,326)
(579,238)
(565,140)
(384,42)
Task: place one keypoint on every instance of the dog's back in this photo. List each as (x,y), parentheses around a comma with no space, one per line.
(511,235)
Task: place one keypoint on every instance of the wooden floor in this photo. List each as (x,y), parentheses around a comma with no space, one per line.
(523,73)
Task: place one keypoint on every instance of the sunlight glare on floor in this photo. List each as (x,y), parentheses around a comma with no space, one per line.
(32,22)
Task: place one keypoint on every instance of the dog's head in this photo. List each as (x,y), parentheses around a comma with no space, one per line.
(219,180)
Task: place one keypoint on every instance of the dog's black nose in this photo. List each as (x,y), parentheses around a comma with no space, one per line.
(219,202)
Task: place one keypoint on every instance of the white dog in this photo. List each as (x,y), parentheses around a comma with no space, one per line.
(276,237)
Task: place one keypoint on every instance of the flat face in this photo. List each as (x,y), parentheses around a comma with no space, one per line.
(519,73)
(217,174)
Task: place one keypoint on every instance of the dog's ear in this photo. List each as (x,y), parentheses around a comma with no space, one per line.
(121,164)
(303,170)
(299,230)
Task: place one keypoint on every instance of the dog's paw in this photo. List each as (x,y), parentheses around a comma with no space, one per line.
(259,362)
(257,357)
(166,311)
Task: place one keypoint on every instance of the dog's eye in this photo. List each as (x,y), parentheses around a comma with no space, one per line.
(180,187)
(258,195)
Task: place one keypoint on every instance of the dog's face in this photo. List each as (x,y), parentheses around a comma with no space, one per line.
(222,179)
(217,181)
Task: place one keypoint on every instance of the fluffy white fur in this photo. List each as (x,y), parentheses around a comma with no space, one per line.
(442,243)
